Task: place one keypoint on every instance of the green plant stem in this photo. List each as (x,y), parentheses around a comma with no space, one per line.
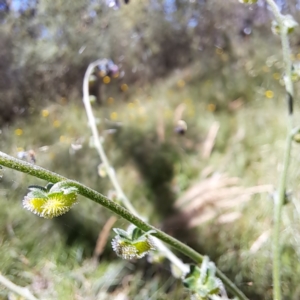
(279,200)
(22,291)
(39,172)
(110,170)
(98,145)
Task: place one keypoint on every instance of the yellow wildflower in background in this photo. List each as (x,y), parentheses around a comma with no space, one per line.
(113,116)
(276,76)
(106,80)
(45,113)
(56,123)
(18,132)
(269,94)
(124,87)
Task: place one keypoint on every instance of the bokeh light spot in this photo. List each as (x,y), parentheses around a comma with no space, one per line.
(18,131)
(113,116)
(56,123)
(106,80)
(45,113)
(124,87)
(269,94)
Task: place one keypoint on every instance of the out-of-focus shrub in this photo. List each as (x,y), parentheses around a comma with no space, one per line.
(46,46)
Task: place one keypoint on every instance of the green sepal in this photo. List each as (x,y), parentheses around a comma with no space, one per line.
(63,186)
(202,281)
(37,194)
(136,234)
(122,233)
(37,187)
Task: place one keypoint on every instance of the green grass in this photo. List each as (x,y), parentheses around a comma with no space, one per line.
(53,257)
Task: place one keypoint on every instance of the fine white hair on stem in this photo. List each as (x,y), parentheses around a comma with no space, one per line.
(110,170)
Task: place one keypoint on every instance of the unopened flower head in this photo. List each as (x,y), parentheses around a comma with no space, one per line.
(52,201)
(296,71)
(288,22)
(129,245)
(202,281)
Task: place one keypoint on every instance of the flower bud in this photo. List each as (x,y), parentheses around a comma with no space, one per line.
(133,244)
(52,201)
(289,24)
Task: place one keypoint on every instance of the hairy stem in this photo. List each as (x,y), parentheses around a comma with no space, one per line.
(279,200)
(23,292)
(39,172)
(98,144)
(111,172)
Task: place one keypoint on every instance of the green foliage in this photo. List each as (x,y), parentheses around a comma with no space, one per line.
(75,233)
(53,42)
(237,86)
(202,282)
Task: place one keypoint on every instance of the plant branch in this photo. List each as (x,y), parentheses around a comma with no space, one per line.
(39,172)
(279,200)
(110,170)
(22,291)
(98,145)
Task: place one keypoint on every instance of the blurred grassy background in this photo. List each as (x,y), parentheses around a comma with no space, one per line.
(240,90)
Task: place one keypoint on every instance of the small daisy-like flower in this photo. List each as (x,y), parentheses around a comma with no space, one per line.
(52,201)
(133,244)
